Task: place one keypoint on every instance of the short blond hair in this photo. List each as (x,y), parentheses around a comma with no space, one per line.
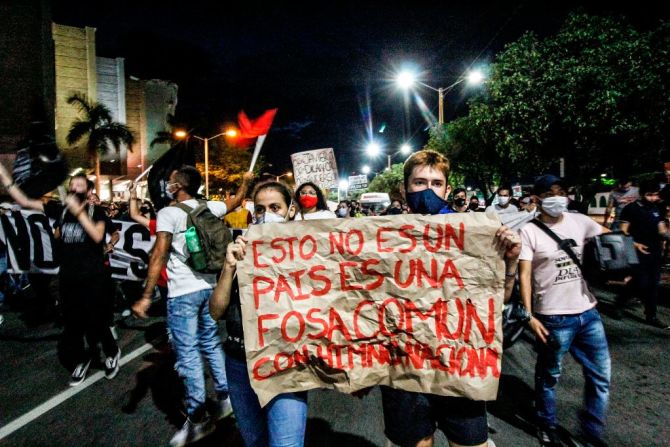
(426,157)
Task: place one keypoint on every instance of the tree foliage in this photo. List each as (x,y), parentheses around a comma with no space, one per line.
(388,181)
(597,93)
(98,128)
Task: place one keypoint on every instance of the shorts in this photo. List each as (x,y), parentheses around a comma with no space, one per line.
(410,417)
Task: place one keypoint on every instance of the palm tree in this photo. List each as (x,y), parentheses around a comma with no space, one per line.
(99,130)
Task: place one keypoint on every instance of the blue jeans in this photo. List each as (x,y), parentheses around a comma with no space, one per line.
(193,332)
(281,423)
(584,336)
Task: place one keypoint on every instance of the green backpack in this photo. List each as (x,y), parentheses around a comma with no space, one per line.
(213,234)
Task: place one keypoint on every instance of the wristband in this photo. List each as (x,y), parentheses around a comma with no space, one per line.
(510,275)
(10,185)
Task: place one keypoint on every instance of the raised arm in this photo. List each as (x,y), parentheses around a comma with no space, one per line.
(135,209)
(95,230)
(231,204)
(220,299)
(16,193)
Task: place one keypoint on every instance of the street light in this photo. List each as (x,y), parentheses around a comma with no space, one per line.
(365,170)
(229,133)
(406,80)
(277,177)
(343,185)
(372,151)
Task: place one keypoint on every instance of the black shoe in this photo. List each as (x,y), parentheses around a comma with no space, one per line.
(112,365)
(657,323)
(79,373)
(549,437)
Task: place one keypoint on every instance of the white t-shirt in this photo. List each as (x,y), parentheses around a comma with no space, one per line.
(500,210)
(558,286)
(181,279)
(321,214)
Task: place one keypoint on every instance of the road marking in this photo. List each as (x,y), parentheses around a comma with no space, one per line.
(65,395)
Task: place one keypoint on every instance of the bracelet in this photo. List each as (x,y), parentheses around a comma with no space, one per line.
(510,275)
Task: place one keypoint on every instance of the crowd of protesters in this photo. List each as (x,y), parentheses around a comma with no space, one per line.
(563,312)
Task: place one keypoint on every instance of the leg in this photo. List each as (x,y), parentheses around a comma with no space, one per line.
(408,421)
(248,412)
(287,419)
(463,421)
(72,351)
(182,320)
(548,366)
(591,351)
(210,346)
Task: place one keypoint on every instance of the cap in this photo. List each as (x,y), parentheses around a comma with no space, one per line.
(545,182)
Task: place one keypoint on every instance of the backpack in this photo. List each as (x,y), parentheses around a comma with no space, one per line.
(607,257)
(213,234)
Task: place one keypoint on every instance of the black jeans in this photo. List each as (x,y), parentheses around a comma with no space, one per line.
(647,280)
(85,314)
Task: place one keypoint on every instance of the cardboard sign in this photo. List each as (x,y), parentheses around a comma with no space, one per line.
(358,182)
(409,301)
(318,166)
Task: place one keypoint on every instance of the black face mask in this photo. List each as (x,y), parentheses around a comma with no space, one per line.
(474,205)
(395,211)
(81,196)
(459,202)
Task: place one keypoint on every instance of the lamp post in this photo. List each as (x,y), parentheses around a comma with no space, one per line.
(373,149)
(277,177)
(229,133)
(406,80)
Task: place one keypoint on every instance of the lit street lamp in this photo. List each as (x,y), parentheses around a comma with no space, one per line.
(229,133)
(365,170)
(277,177)
(373,149)
(343,185)
(406,80)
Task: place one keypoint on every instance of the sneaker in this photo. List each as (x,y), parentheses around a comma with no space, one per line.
(657,323)
(192,432)
(549,437)
(112,365)
(223,409)
(79,373)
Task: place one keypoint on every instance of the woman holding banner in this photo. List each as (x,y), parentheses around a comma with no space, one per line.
(312,203)
(283,420)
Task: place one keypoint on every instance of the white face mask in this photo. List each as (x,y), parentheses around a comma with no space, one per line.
(555,206)
(342,212)
(502,201)
(270,217)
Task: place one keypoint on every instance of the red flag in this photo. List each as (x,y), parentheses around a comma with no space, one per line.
(251,129)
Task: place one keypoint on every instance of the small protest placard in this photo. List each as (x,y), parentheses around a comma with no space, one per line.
(318,166)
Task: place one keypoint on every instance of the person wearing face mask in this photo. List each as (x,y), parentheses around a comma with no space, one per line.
(474,204)
(344,209)
(621,196)
(644,221)
(410,419)
(504,205)
(459,204)
(194,334)
(312,203)
(284,419)
(394,208)
(80,230)
(564,316)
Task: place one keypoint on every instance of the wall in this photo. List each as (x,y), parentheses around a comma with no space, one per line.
(75,64)
(111,88)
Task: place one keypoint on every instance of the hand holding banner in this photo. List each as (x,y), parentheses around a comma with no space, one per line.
(409,301)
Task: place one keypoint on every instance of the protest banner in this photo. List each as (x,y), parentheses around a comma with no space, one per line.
(31,247)
(409,301)
(358,182)
(318,166)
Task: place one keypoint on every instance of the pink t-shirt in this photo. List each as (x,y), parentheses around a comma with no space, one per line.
(558,286)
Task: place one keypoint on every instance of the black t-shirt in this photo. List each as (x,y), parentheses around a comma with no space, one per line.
(234,343)
(79,254)
(643,219)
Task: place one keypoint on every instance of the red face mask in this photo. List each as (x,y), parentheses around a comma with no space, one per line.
(308,201)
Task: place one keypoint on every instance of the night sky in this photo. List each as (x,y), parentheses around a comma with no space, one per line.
(323,65)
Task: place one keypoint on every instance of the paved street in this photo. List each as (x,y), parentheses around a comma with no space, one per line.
(139,407)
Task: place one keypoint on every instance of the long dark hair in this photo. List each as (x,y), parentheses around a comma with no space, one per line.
(321,204)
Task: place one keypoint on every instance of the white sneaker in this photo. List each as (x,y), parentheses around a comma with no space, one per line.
(224,409)
(79,373)
(112,365)
(192,432)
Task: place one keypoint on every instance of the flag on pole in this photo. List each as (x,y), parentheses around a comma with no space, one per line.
(258,129)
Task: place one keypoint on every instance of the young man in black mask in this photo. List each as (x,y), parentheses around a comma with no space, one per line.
(643,220)
(459,204)
(410,419)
